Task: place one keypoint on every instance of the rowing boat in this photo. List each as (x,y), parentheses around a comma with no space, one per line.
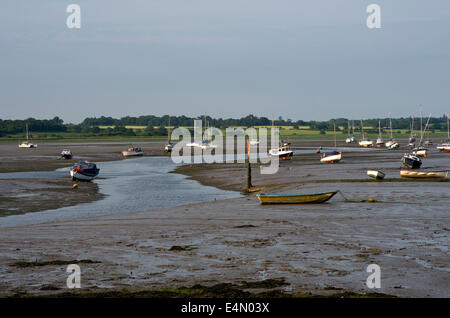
(376,174)
(295,198)
(423,174)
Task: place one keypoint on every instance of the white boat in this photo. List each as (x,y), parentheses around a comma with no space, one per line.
(169,146)
(133,152)
(66,154)
(350,139)
(283,152)
(331,157)
(420,152)
(380,142)
(254,142)
(334,156)
(391,143)
(27,144)
(376,174)
(423,174)
(365,142)
(445,146)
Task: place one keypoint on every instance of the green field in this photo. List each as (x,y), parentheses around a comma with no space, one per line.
(285,132)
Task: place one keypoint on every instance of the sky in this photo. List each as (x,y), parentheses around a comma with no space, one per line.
(308,60)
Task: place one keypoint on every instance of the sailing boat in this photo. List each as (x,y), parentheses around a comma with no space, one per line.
(421,151)
(349,139)
(27,144)
(365,142)
(412,139)
(380,142)
(446,145)
(169,146)
(391,144)
(334,156)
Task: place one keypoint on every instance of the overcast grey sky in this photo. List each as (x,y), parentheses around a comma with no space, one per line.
(298,59)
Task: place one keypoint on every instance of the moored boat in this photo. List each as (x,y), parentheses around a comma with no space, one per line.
(133,152)
(412,162)
(376,174)
(27,144)
(295,198)
(331,157)
(443,147)
(66,154)
(420,152)
(423,174)
(84,170)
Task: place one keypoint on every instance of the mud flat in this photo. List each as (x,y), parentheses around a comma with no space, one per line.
(320,249)
(41,192)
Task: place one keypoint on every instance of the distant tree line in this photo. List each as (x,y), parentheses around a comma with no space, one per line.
(156,126)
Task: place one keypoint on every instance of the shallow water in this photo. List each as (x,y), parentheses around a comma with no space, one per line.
(138,184)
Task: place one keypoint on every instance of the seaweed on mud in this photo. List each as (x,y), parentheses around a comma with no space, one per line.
(244,226)
(268,283)
(22,264)
(182,248)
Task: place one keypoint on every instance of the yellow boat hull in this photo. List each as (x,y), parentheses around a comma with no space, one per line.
(423,174)
(295,198)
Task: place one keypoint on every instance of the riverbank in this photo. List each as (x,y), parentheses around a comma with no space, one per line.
(318,249)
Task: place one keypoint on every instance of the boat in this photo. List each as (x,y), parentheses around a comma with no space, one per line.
(295,198)
(412,162)
(27,144)
(376,174)
(254,142)
(412,139)
(283,152)
(421,151)
(423,174)
(169,146)
(84,170)
(365,142)
(445,146)
(391,143)
(350,139)
(333,156)
(380,142)
(133,152)
(66,154)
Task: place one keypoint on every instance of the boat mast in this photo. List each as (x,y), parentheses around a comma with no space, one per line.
(421,132)
(379,129)
(448,132)
(362,129)
(27,130)
(168,132)
(334,136)
(390,124)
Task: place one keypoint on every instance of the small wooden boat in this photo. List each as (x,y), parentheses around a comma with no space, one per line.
(423,174)
(376,174)
(295,198)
